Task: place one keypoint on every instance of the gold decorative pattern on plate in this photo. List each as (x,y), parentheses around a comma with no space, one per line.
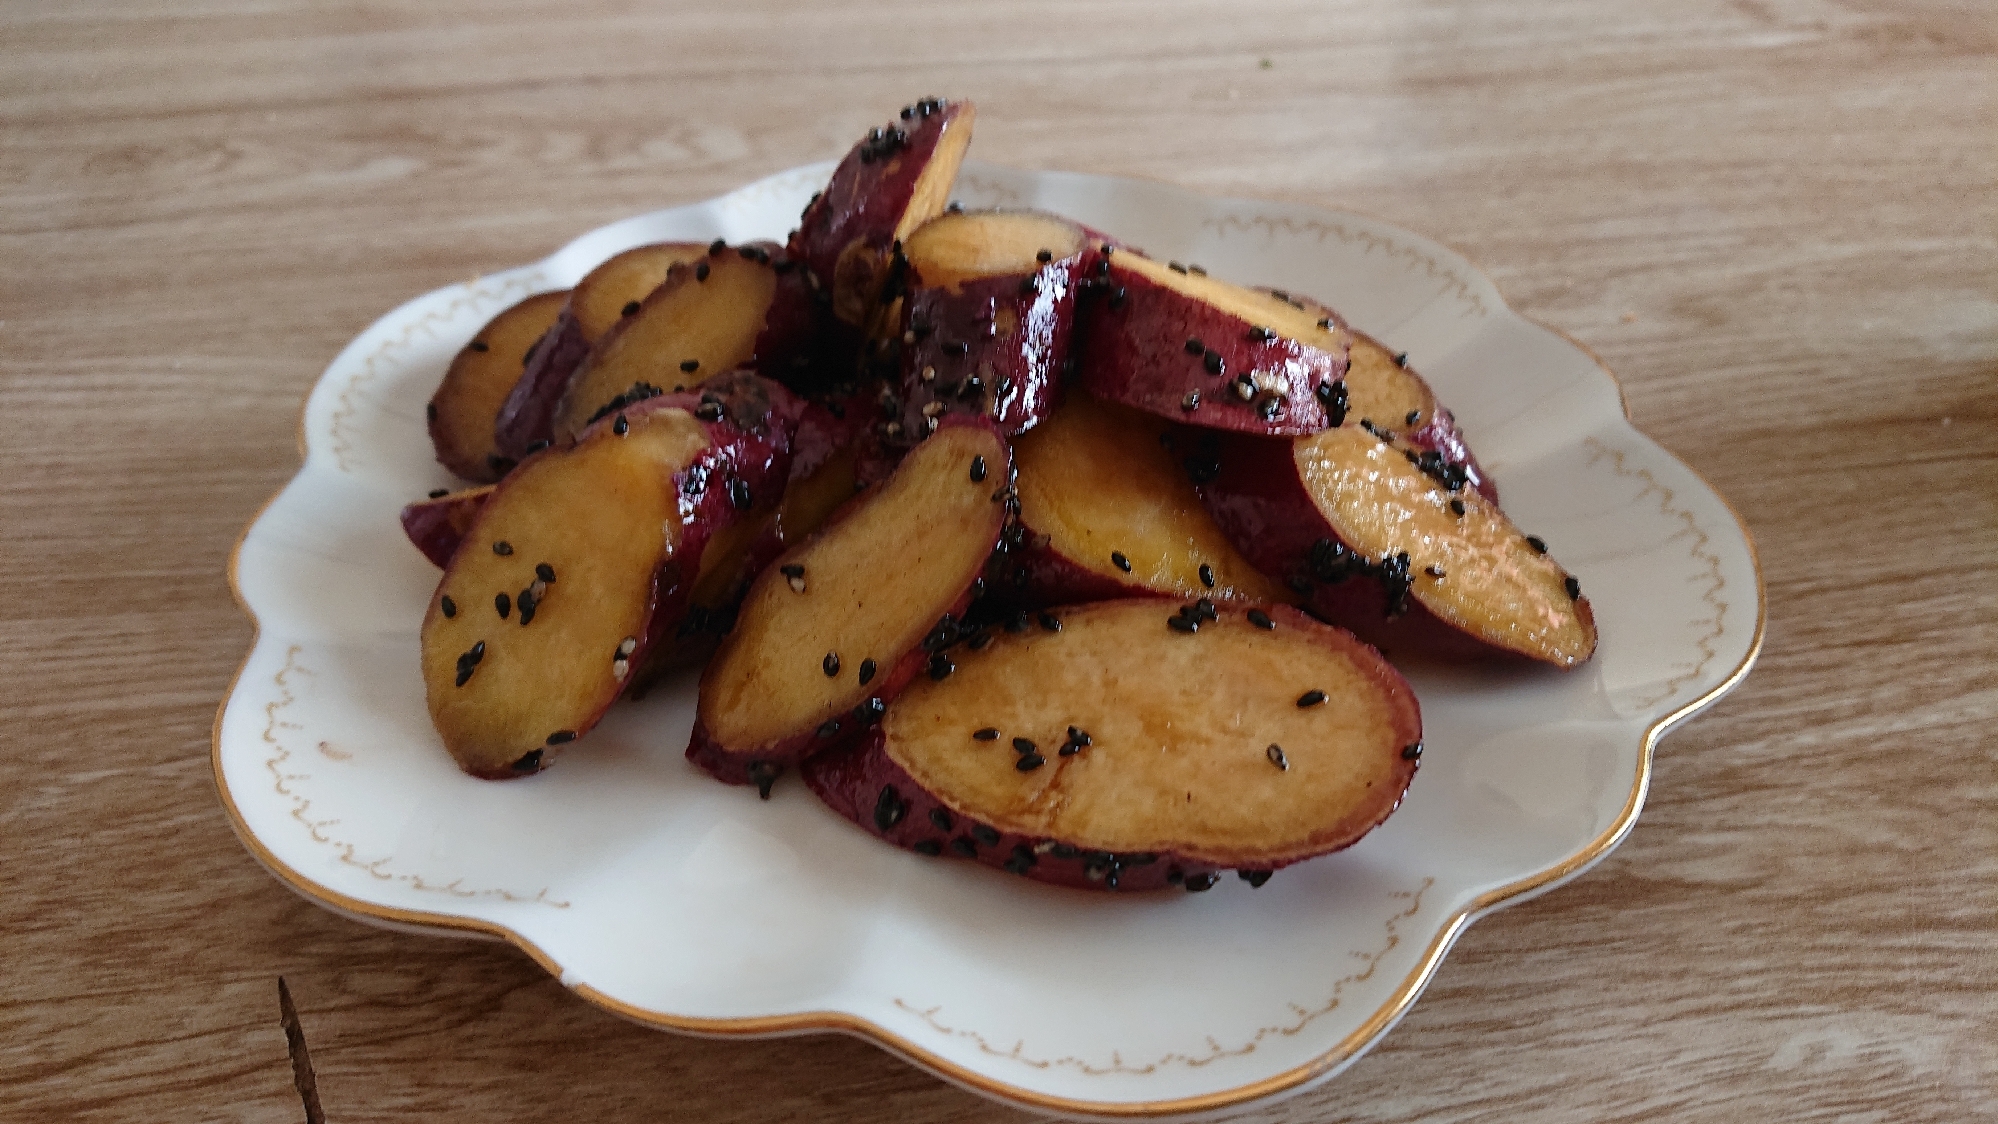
(1454,283)
(1302,1016)
(301,805)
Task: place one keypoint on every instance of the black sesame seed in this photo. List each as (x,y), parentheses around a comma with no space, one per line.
(830,664)
(1204,609)
(503,605)
(1174,876)
(528,604)
(1079,736)
(930,847)
(536,446)
(738,493)
(1019,621)
(1024,745)
(1207,575)
(1412,751)
(1573,586)
(955,347)
(1538,544)
(1069,749)
(545,572)
(964,846)
(764,775)
(1310,698)
(1200,883)
(529,762)
(1433,571)
(1175,267)
(986,834)
(477,345)
(717,246)
(1254,878)
(978,470)
(1457,507)
(1118,560)
(1030,762)
(1050,622)
(630,307)
(621,426)
(870,711)
(940,817)
(1413,417)
(1261,620)
(690,365)
(940,667)
(1401,359)
(1044,257)
(502,548)
(448,607)
(1183,624)
(1117,297)
(439,493)
(1212,362)
(1194,346)
(828,728)
(1275,754)
(701,272)
(866,672)
(987,734)
(889,809)
(561,737)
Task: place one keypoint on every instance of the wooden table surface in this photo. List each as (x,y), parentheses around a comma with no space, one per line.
(1776,220)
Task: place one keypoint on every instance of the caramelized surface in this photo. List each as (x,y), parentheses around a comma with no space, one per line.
(1493,583)
(1180,727)
(809,502)
(954,248)
(1258,308)
(1380,390)
(468,401)
(932,191)
(1095,479)
(601,296)
(875,581)
(604,516)
(711,322)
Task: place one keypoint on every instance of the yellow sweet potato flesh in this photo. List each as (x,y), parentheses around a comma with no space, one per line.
(601,297)
(604,517)
(1180,727)
(468,401)
(966,246)
(873,583)
(1095,479)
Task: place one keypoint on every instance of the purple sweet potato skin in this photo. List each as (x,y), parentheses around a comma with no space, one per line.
(759,764)
(1134,351)
(847,231)
(863,784)
(999,346)
(1263,506)
(436,526)
(529,413)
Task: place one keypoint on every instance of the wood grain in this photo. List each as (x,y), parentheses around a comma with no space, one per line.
(1777,220)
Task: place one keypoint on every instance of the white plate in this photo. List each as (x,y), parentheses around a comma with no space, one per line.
(689,905)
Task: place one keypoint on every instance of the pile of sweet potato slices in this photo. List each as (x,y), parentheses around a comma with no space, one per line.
(1017,544)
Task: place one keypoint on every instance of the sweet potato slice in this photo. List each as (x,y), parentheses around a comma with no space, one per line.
(1383,547)
(436,525)
(1137,747)
(574,569)
(705,320)
(1196,349)
(1107,513)
(467,404)
(838,625)
(987,328)
(896,179)
(599,301)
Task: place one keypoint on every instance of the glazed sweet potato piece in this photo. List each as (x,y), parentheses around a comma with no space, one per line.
(896,179)
(704,321)
(837,625)
(1138,745)
(436,525)
(603,297)
(574,569)
(1383,547)
(467,405)
(988,323)
(1202,351)
(1106,512)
